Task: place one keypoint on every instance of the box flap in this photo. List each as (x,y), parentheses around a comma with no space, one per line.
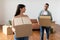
(45,17)
(26,20)
(18,21)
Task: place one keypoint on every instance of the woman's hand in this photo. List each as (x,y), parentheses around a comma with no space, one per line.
(13,29)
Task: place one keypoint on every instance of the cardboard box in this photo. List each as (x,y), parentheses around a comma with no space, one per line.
(45,21)
(23,26)
(53,25)
(7,30)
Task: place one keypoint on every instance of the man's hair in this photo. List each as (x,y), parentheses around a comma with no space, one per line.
(46,4)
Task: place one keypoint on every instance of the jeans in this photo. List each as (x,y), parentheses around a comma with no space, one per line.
(42,32)
(20,38)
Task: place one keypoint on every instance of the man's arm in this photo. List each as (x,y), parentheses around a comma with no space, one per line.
(50,15)
(39,17)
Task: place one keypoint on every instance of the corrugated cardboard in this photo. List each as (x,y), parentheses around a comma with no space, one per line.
(53,24)
(45,21)
(45,17)
(24,27)
(7,30)
(18,21)
(26,20)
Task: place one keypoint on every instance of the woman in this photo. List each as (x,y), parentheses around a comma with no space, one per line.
(19,12)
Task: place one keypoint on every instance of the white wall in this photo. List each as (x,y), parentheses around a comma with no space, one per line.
(33,8)
(1,12)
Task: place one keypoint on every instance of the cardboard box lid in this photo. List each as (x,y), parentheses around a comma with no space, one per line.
(45,17)
(18,21)
(21,21)
(26,20)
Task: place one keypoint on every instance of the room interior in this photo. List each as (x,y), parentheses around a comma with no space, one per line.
(33,8)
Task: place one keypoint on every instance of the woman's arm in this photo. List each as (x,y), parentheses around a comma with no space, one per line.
(13,29)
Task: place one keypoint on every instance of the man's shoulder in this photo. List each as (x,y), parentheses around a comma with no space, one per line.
(48,11)
(42,10)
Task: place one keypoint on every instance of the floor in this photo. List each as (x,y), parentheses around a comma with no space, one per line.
(35,35)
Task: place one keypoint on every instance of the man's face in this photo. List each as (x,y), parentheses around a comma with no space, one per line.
(46,7)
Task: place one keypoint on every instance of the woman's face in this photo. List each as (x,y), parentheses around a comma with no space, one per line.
(23,10)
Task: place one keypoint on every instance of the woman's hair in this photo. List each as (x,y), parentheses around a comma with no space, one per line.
(18,9)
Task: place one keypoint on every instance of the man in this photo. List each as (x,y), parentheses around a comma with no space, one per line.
(47,13)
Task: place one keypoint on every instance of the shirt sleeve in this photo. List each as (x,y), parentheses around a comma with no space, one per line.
(39,16)
(50,15)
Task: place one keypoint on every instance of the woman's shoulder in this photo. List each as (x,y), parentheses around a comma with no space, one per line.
(16,16)
(25,16)
(20,16)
